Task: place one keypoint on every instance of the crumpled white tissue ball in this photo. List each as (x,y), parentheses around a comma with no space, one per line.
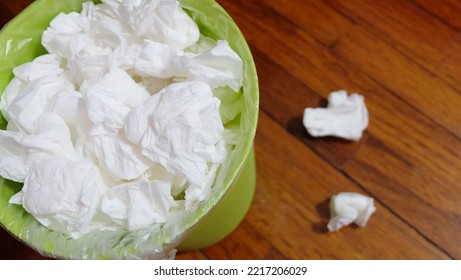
(109,99)
(34,85)
(61,194)
(347,208)
(160,126)
(218,67)
(19,151)
(345,117)
(162,21)
(117,156)
(138,204)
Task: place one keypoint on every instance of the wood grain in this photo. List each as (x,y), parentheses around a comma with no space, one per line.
(299,231)
(281,90)
(446,10)
(16,6)
(411,134)
(245,243)
(411,30)
(404,57)
(394,70)
(12,249)
(194,255)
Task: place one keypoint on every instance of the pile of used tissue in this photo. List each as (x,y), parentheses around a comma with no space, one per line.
(119,126)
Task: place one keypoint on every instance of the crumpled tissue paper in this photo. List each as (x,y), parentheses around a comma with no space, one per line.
(347,208)
(60,193)
(345,117)
(34,85)
(219,66)
(120,125)
(138,204)
(19,151)
(109,99)
(160,126)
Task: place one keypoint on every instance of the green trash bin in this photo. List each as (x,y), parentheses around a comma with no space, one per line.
(211,222)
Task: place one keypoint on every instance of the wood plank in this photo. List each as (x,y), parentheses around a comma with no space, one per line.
(12,249)
(245,243)
(420,88)
(398,73)
(407,132)
(279,91)
(16,6)
(315,17)
(5,14)
(292,215)
(383,177)
(446,10)
(193,255)
(274,254)
(410,29)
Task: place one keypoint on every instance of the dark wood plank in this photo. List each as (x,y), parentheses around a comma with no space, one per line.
(386,177)
(299,231)
(412,30)
(420,87)
(12,249)
(281,90)
(193,255)
(409,133)
(274,254)
(245,243)
(16,6)
(447,10)
(5,14)
(316,17)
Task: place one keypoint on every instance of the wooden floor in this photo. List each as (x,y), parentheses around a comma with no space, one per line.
(405,58)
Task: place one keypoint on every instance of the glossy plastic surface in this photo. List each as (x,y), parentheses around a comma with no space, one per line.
(227,214)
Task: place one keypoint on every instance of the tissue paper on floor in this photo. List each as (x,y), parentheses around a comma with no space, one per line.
(345,117)
(347,208)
